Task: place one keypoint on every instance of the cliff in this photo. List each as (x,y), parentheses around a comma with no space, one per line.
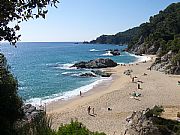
(160,36)
(119,38)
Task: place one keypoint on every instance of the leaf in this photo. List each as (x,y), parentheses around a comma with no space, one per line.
(45,11)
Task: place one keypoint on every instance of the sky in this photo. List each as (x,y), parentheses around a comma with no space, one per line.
(85,20)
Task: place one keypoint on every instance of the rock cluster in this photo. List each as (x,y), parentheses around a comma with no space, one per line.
(139,124)
(128,72)
(31,112)
(164,64)
(98,63)
(101,73)
(95,73)
(87,75)
(114,52)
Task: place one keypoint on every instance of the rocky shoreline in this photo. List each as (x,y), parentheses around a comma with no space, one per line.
(163,63)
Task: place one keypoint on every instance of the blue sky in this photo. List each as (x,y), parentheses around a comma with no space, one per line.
(79,20)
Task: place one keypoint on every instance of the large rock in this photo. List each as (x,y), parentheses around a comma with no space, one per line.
(164,64)
(150,122)
(114,52)
(101,73)
(139,124)
(98,63)
(87,75)
(153,49)
(31,112)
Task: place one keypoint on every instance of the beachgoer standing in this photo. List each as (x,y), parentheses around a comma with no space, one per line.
(138,86)
(89,109)
(93,110)
(132,79)
(80,93)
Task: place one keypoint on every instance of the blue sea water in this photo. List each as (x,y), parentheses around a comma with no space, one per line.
(43,69)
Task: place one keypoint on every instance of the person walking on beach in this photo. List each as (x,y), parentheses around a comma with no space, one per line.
(93,111)
(80,93)
(132,79)
(138,86)
(89,110)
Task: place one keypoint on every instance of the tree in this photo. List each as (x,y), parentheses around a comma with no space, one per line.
(17,11)
(14,11)
(10,103)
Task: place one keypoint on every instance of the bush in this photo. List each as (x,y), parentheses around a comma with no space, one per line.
(75,128)
(176,59)
(10,102)
(155,111)
(167,127)
(40,125)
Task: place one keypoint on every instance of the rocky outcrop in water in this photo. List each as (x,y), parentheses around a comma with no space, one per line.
(114,52)
(98,63)
(101,73)
(87,75)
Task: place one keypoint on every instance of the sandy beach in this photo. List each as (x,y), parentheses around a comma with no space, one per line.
(157,88)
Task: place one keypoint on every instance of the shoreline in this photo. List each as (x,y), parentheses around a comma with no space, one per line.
(68,95)
(104,84)
(115,95)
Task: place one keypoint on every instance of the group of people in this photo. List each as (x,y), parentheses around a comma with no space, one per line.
(89,110)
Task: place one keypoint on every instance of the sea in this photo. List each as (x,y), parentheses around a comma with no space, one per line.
(44,72)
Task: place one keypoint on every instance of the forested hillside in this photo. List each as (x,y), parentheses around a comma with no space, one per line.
(160,36)
(119,38)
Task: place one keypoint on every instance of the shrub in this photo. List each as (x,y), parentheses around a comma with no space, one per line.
(75,128)
(155,111)
(40,125)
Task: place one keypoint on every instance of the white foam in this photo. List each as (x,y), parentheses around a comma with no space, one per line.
(65,66)
(140,58)
(71,74)
(108,53)
(93,50)
(67,73)
(66,95)
(61,66)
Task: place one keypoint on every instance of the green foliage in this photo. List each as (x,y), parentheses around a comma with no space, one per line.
(174,45)
(155,111)
(75,128)
(10,103)
(163,29)
(41,125)
(119,38)
(176,59)
(165,126)
(17,11)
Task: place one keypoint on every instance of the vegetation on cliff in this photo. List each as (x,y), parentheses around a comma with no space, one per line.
(162,31)
(119,38)
(10,102)
(160,36)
